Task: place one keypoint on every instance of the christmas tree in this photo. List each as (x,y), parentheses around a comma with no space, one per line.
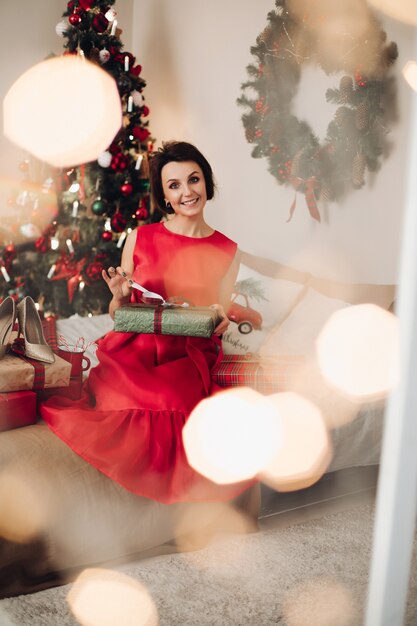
(62,242)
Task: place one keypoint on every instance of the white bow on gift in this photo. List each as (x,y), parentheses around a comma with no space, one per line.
(150,297)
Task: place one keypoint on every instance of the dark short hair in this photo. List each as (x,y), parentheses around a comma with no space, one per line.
(179,151)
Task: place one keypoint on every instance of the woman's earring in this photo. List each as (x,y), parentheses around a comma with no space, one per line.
(168,207)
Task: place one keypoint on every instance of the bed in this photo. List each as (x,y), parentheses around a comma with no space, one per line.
(77,517)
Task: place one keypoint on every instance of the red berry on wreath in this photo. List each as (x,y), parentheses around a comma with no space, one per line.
(258,133)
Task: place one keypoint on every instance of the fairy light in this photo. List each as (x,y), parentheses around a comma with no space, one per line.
(126,63)
(54,243)
(107,225)
(139,162)
(70,246)
(121,240)
(81,285)
(130,104)
(75,208)
(5,274)
(113,28)
(74,188)
(51,271)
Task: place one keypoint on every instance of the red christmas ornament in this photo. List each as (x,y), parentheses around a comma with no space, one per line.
(118,223)
(136,70)
(145,111)
(75,19)
(140,133)
(141,213)
(107,235)
(126,189)
(86,4)
(119,162)
(100,23)
(42,244)
(93,271)
(9,254)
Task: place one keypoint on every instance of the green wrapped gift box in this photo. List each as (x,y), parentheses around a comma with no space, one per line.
(162,320)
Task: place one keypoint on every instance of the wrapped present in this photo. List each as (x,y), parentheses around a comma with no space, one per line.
(17,408)
(166,320)
(18,373)
(72,391)
(266,375)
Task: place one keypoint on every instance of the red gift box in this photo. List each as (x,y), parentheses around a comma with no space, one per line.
(17,408)
(72,391)
(266,375)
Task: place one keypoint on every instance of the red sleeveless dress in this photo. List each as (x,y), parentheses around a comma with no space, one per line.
(128,422)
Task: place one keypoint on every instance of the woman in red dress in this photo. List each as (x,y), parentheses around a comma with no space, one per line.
(129,420)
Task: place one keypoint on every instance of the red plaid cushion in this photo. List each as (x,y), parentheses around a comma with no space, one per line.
(264,375)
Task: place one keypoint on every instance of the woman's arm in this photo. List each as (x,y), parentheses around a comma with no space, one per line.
(225,294)
(117,279)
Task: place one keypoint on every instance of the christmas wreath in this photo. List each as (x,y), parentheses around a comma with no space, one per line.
(340,38)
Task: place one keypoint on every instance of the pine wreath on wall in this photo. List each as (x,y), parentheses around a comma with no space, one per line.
(340,37)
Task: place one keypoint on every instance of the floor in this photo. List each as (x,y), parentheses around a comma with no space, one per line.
(336,491)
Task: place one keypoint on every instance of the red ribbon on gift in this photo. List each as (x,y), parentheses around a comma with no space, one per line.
(18,348)
(157,320)
(306,186)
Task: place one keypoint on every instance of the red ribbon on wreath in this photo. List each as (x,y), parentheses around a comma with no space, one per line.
(306,186)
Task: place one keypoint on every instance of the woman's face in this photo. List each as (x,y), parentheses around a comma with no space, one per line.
(184,187)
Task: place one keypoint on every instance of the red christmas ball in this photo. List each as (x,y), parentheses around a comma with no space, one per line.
(126,189)
(140,133)
(75,19)
(145,111)
(141,213)
(99,23)
(107,235)
(118,223)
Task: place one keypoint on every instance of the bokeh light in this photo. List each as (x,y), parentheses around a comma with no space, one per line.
(102,597)
(306,452)
(358,351)
(410,74)
(231,436)
(65,111)
(199,523)
(22,514)
(320,602)
(402,10)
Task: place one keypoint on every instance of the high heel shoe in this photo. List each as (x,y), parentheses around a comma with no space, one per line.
(7,317)
(30,327)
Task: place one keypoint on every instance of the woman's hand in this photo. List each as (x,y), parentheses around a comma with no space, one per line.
(117,282)
(224,323)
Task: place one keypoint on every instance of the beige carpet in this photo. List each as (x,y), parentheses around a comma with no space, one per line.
(312,574)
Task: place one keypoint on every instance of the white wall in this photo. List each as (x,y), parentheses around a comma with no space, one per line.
(194,56)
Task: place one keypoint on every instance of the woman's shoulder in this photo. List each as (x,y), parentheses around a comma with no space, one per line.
(225,240)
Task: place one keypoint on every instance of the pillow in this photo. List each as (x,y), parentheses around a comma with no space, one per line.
(258,305)
(299,331)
